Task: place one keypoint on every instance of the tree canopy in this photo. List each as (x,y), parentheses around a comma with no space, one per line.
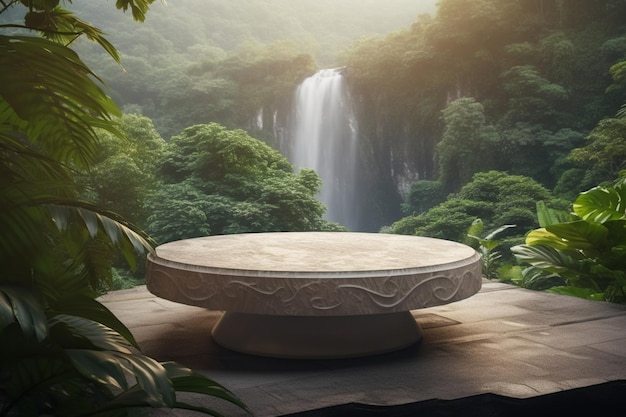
(543,73)
(219,181)
(494,197)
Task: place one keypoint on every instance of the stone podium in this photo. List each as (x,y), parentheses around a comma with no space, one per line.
(314,294)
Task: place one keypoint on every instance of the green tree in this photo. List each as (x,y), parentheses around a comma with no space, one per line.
(532,151)
(532,98)
(122,176)
(61,351)
(495,197)
(223,181)
(513,198)
(188,96)
(604,155)
(448,220)
(423,195)
(124,171)
(618,72)
(468,40)
(467,145)
(558,57)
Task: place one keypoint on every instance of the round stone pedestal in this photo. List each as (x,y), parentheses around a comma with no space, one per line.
(314,294)
(316,337)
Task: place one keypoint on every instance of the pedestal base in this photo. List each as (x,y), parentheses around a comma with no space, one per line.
(316,337)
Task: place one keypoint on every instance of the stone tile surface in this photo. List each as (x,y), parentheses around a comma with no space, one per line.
(504,340)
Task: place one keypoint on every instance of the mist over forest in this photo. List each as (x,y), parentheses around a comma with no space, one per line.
(532,80)
(460,112)
(321,28)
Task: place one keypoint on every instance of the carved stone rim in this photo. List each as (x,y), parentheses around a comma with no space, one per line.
(313,274)
(314,254)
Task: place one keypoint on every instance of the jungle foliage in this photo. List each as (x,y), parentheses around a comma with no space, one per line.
(499,90)
(494,197)
(220,181)
(588,252)
(508,85)
(475,95)
(61,351)
(202,61)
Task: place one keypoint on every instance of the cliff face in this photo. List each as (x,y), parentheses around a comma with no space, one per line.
(398,141)
(395,147)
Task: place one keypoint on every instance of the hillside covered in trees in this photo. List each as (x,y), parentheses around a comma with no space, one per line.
(470,110)
(199,61)
(534,78)
(527,87)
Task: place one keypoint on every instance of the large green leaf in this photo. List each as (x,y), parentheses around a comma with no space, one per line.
(153,379)
(102,367)
(476,228)
(21,306)
(83,332)
(547,216)
(185,380)
(602,204)
(56,103)
(545,257)
(543,237)
(578,235)
(535,278)
(88,308)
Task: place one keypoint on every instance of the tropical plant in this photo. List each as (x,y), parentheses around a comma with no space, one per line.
(589,252)
(487,246)
(61,351)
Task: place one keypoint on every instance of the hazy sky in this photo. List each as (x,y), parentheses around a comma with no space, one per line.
(333,24)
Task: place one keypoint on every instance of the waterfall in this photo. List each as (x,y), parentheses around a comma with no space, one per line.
(324,138)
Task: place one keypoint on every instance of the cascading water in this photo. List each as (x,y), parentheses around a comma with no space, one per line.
(324,138)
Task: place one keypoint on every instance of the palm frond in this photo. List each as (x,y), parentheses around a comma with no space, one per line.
(55,103)
(100,222)
(545,257)
(88,308)
(89,334)
(19,305)
(185,380)
(64,27)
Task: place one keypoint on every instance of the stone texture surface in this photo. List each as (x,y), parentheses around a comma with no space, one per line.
(504,340)
(314,273)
